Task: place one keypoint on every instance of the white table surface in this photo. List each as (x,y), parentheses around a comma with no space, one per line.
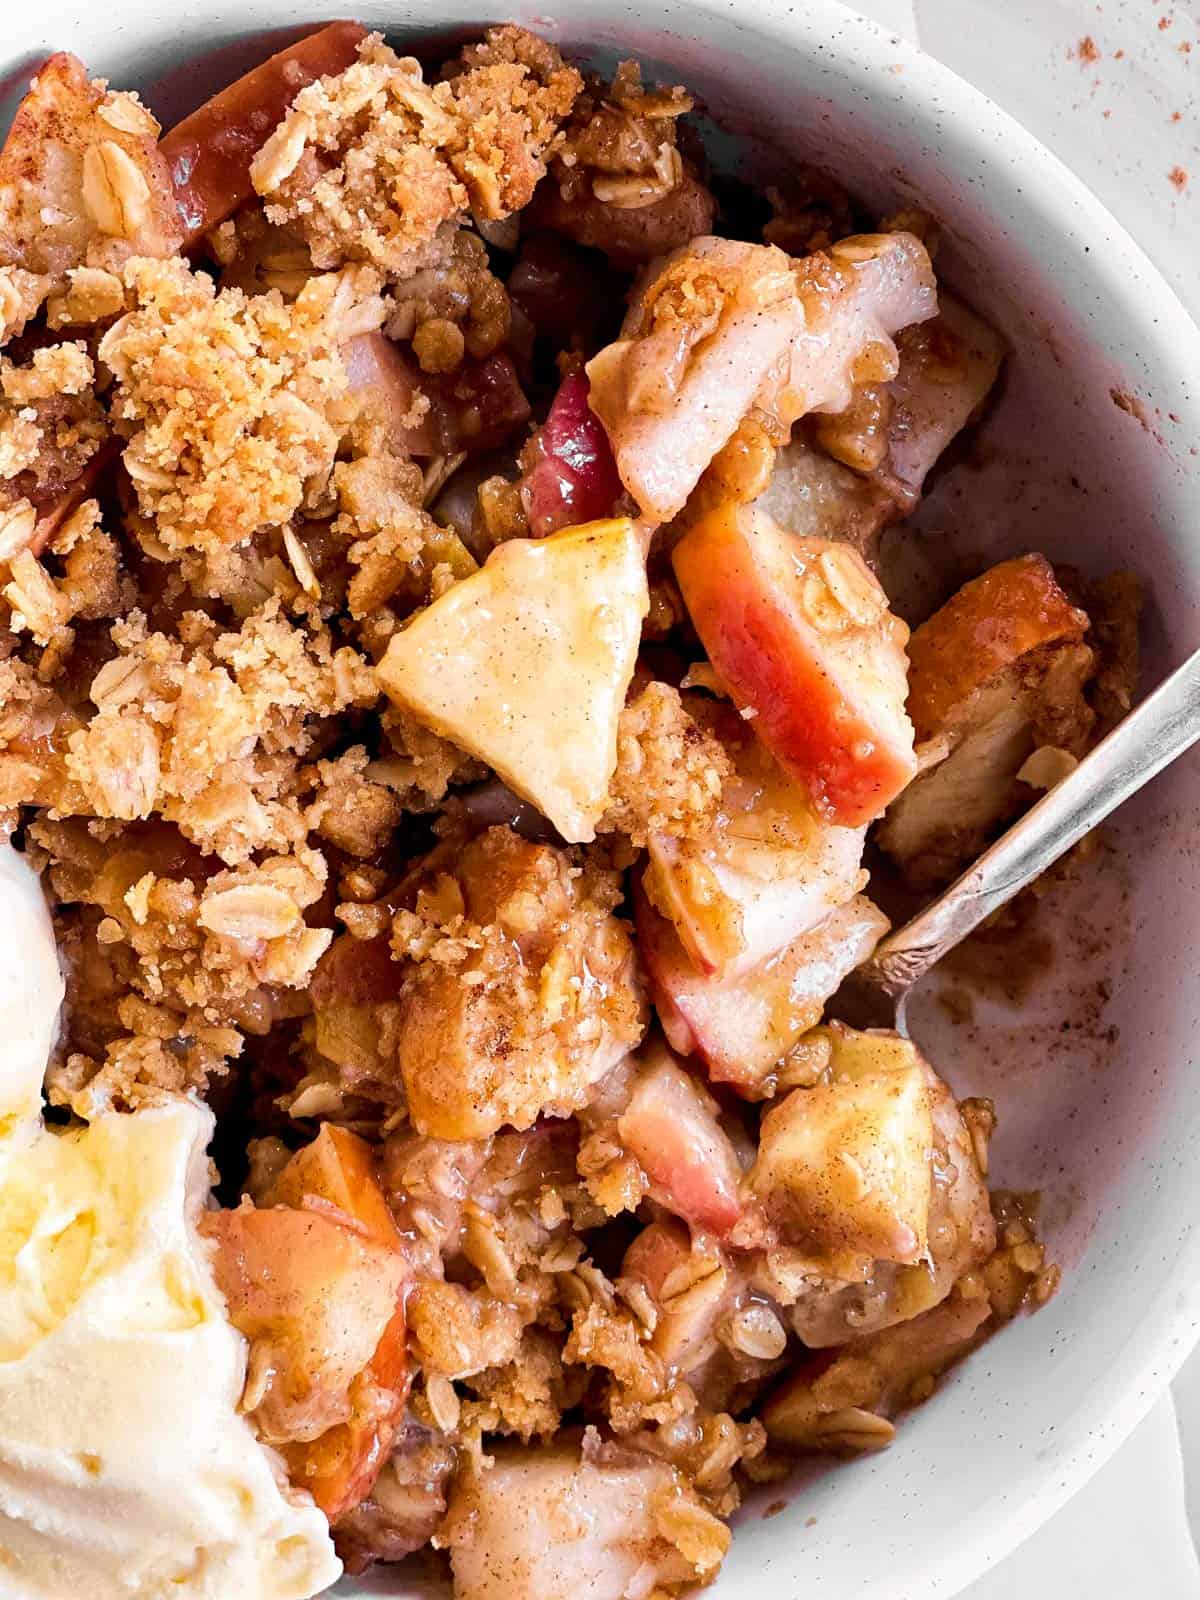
(1123,110)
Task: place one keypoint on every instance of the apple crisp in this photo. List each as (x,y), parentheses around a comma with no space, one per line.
(447,693)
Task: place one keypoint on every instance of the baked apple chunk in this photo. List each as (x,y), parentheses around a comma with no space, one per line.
(826,480)
(996,674)
(947,370)
(525,665)
(720,327)
(846,1165)
(209,153)
(799,632)
(742,1026)
(672,1129)
(316,1281)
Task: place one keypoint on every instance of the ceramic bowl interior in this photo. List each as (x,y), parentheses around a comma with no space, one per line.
(1090,455)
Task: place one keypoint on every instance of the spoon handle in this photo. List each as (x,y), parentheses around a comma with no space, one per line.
(1165,724)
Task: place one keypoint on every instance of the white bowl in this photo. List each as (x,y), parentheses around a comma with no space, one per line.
(1091,457)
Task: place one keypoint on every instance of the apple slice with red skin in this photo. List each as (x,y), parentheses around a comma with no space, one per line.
(799,632)
(209,153)
(741,1027)
(54,510)
(671,1128)
(575,477)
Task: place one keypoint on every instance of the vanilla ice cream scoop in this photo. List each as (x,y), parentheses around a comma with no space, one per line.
(31,992)
(126,1470)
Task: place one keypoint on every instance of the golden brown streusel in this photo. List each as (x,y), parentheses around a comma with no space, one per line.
(351,811)
(422,765)
(396,545)
(372,164)
(229,403)
(670,770)
(708,1448)
(634,1384)
(359,164)
(527,1396)
(455,306)
(622,143)
(206,732)
(52,422)
(512,93)
(459,1332)
(619,182)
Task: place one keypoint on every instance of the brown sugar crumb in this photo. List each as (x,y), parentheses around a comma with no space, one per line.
(170,963)
(637,1385)
(359,165)
(1178,178)
(21,296)
(351,811)
(526,1396)
(622,145)
(422,765)
(370,165)
(621,183)
(164,1057)
(397,549)
(707,1447)
(670,771)
(511,95)
(227,399)
(1017,1276)
(51,422)
(458,1332)
(456,307)
(87,585)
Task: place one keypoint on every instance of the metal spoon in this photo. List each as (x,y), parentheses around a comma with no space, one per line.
(1165,725)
